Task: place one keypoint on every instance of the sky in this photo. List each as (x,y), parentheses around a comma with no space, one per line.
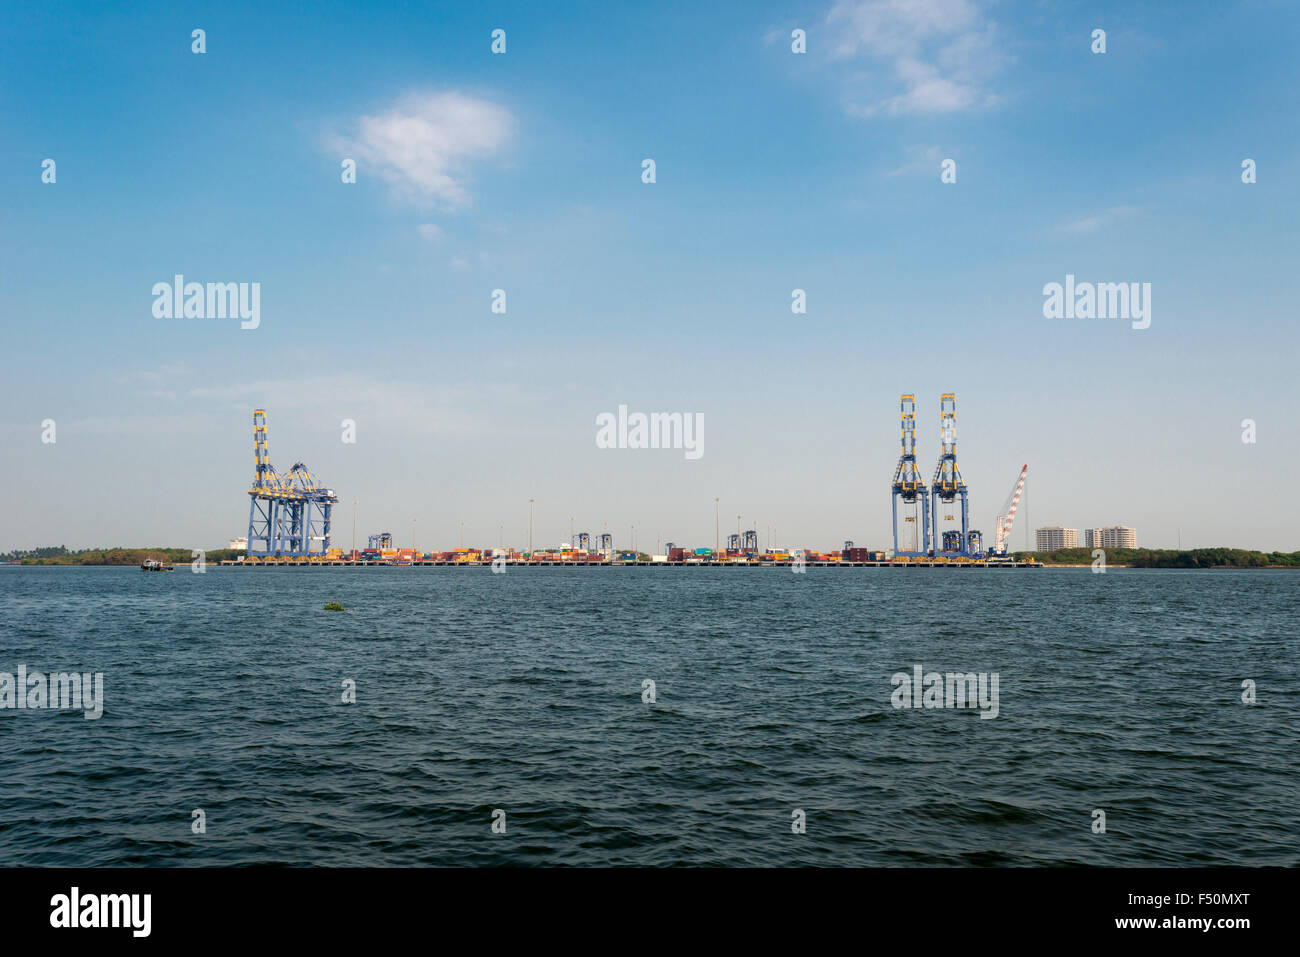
(523,171)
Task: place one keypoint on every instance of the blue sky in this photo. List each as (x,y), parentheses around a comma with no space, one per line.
(522,172)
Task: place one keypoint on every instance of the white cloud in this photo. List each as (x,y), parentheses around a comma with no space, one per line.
(430,231)
(921,56)
(413,407)
(923,159)
(161,375)
(426,143)
(1107,217)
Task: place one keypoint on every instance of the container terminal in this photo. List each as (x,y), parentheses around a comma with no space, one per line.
(289,523)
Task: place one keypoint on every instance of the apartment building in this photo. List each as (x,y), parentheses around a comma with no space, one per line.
(1114,536)
(1055,537)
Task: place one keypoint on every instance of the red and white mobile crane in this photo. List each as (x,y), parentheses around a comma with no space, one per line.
(1007,516)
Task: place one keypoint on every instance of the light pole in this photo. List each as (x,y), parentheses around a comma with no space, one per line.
(717,526)
(412,534)
(354,529)
(530,528)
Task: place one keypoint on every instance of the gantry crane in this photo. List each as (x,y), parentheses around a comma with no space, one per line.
(287,514)
(908,485)
(305,507)
(265,493)
(948,486)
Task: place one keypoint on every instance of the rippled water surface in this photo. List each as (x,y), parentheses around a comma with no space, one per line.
(523,692)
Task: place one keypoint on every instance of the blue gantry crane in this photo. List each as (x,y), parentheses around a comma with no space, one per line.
(743,543)
(948,486)
(908,485)
(289,514)
(264,495)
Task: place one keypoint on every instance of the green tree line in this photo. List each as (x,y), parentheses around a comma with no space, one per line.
(59,555)
(1170,558)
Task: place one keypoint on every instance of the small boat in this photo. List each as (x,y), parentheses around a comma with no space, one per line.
(150,565)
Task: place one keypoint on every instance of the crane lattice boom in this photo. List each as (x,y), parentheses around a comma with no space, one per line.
(1004,522)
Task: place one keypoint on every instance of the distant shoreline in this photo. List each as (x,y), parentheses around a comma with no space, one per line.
(46,563)
(1065,558)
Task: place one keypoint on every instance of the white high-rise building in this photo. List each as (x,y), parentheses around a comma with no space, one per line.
(1114,536)
(1055,537)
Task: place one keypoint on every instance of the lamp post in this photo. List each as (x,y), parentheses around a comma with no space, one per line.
(354,529)
(530,528)
(717,527)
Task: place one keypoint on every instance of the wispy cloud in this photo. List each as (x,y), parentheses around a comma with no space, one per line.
(1091,224)
(425,144)
(917,56)
(161,375)
(411,407)
(922,159)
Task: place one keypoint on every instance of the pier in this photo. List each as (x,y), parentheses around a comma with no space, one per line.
(519,563)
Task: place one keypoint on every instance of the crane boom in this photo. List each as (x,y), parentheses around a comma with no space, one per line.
(1004,522)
